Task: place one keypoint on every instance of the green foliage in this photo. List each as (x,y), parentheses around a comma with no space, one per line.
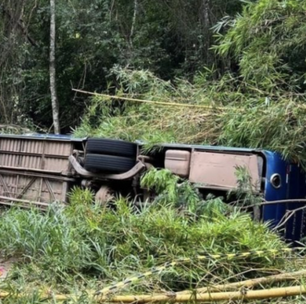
(246,193)
(268,42)
(86,241)
(75,248)
(247,120)
(173,191)
(153,124)
(12,50)
(169,39)
(268,127)
(259,104)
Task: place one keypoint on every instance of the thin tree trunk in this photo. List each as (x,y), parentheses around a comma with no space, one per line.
(54,100)
(133,20)
(205,28)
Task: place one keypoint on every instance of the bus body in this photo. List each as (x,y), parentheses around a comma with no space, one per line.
(40,169)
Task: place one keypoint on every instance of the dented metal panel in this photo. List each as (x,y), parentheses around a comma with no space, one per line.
(217,170)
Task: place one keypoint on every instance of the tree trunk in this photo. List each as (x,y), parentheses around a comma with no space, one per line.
(206,29)
(133,20)
(54,100)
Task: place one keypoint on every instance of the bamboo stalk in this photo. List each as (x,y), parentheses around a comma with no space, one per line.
(249,283)
(301,106)
(57,297)
(175,104)
(200,294)
(171,298)
(217,296)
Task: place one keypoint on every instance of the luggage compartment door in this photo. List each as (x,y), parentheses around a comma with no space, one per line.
(218,170)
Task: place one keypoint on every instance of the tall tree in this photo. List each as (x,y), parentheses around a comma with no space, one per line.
(170,38)
(54,100)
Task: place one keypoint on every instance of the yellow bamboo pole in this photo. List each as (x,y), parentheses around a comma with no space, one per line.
(175,104)
(216,296)
(249,283)
(200,294)
(171,298)
(57,297)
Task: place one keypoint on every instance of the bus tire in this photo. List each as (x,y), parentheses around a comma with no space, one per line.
(98,163)
(111,147)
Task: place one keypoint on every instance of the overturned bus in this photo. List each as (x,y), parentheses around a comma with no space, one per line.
(41,169)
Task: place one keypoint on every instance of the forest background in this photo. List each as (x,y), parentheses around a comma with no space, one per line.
(240,63)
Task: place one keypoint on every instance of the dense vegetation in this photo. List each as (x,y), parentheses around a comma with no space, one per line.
(226,72)
(170,38)
(85,248)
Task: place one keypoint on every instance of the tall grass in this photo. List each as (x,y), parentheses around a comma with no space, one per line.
(87,241)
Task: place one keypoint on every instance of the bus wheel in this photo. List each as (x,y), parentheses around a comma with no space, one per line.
(111,147)
(108,163)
